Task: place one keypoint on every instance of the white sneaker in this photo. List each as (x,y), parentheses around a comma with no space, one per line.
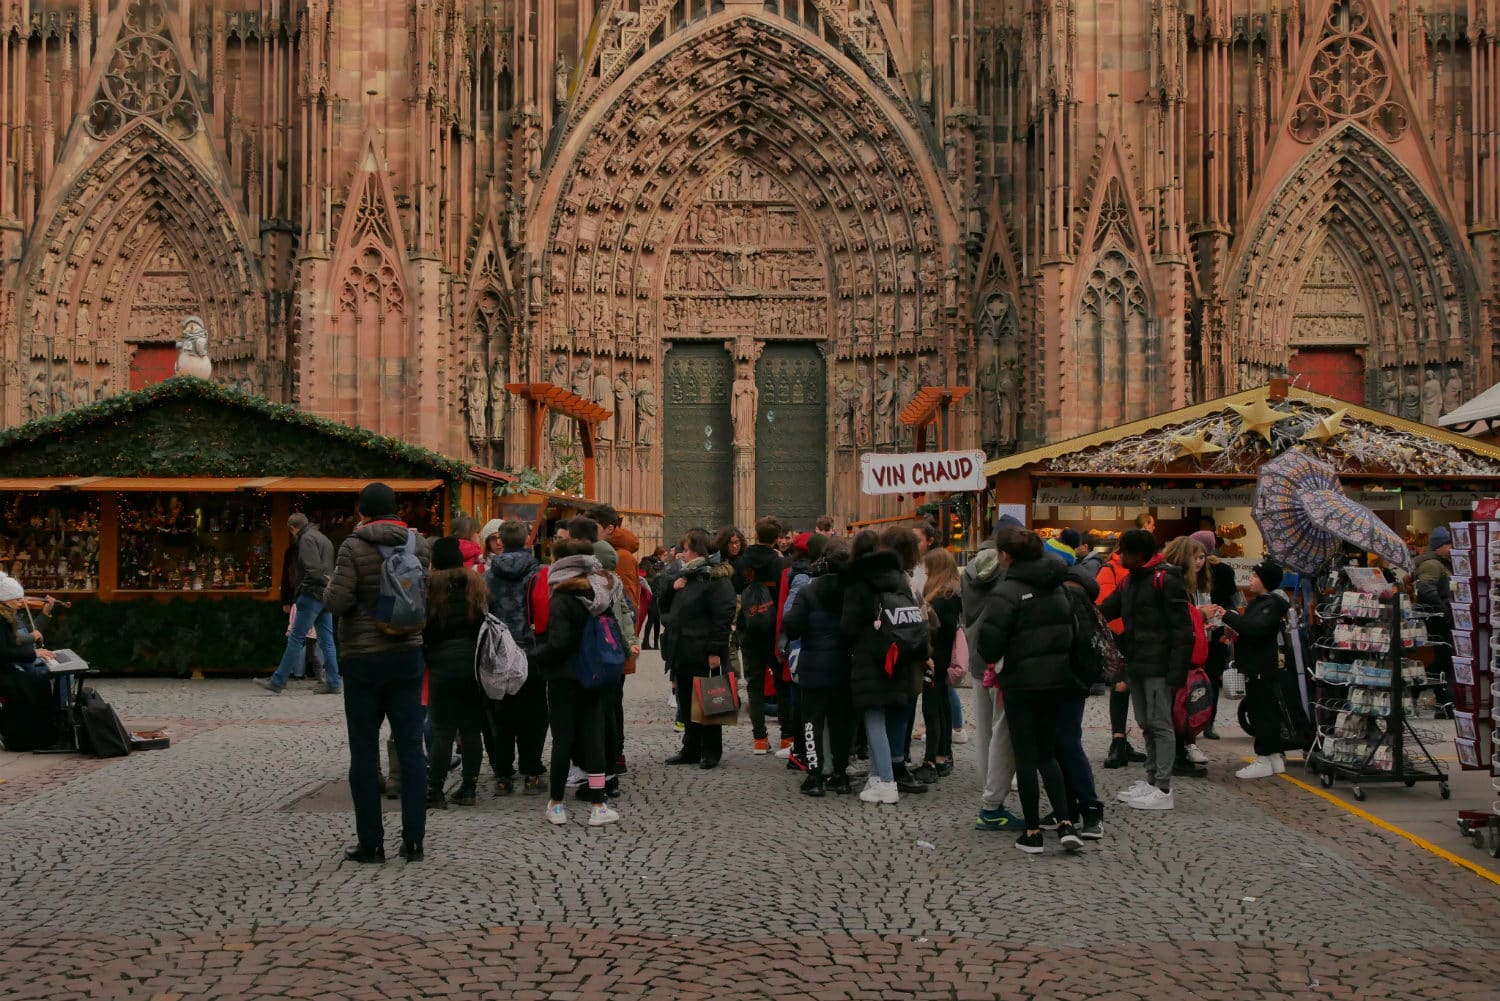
(1196,756)
(1131,792)
(557,814)
(1278,763)
(1260,768)
(602,814)
(1152,799)
(960,736)
(576,777)
(876,791)
(1015,786)
(672,701)
(785,752)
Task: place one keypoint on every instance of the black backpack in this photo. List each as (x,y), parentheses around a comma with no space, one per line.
(1094,657)
(903,636)
(757,612)
(100,731)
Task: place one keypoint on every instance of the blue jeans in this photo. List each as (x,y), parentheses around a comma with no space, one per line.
(379,687)
(1078,774)
(309,614)
(956,706)
(886,729)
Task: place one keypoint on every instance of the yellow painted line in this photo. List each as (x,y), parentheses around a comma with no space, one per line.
(1420,842)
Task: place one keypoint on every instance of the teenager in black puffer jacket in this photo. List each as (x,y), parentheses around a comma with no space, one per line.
(812,622)
(1028,632)
(457,600)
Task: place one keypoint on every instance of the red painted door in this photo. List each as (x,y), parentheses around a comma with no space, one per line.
(1337,372)
(152,363)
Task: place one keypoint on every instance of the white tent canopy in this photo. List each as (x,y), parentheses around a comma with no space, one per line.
(1477,416)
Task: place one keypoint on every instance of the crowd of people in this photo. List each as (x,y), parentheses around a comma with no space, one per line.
(853,645)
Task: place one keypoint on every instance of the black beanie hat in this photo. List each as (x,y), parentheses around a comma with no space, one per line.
(377,501)
(1270,574)
(446,555)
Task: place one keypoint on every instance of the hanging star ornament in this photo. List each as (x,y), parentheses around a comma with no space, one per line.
(1196,445)
(1325,429)
(1257,418)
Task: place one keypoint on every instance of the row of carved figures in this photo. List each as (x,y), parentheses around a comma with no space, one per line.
(629,396)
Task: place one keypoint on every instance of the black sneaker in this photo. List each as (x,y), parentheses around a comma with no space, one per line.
(1132,755)
(465,795)
(612,787)
(813,786)
(925,773)
(505,785)
(683,759)
(411,851)
(1049,822)
(365,856)
(910,786)
(1210,734)
(1187,769)
(1068,837)
(839,784)
(1031,844)
(944,769)
(1092,829)
(436,800)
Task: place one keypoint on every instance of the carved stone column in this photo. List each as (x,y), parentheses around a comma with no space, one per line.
(744,486)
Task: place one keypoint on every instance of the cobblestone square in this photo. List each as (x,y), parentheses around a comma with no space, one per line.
(210,870)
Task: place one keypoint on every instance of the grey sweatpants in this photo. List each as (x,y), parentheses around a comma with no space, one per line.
(1153,714)
(997,757)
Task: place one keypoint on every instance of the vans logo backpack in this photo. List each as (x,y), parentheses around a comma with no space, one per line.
(901,630)
(401,608)
(1193,704)
(757,611)
(499,663)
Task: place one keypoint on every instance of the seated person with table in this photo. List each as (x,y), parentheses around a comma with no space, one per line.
(30,715)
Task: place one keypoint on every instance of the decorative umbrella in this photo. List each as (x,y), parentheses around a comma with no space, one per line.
(1305,516)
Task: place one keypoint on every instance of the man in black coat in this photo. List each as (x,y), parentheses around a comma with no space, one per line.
(1257,656)
(760,566)
(314,568)
(1158,646)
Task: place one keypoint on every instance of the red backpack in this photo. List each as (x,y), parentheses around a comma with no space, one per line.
(539,601)
(1193,704)
(1199,656)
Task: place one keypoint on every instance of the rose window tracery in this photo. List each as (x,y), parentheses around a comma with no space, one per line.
(1347,80)
(144,79)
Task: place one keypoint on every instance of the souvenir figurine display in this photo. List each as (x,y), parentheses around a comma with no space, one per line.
(50,544)
(194,543)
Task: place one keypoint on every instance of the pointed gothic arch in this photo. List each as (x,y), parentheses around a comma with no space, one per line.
(1001,358)
(487,340)
(362,367)
(1413,271)
(141,198)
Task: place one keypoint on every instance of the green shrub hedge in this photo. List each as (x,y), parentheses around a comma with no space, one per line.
(172,637)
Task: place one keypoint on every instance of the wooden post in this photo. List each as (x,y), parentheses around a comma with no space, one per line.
(109,546)
(538,414)
(586,431)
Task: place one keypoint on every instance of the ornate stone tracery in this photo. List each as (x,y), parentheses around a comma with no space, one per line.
(144,79)
(1348,79)
(1112,346)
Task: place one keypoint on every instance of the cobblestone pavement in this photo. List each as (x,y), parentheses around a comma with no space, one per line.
(210,870)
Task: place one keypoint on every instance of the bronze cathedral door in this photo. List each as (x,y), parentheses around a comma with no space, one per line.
(791,435)
(698,440)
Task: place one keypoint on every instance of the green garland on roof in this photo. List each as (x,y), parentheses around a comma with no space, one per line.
(191,427)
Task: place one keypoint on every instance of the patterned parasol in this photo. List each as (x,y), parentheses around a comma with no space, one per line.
(1305,516)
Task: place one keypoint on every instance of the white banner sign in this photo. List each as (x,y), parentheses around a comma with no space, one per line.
(918,472)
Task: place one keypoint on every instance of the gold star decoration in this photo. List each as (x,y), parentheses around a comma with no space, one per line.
(1196,445)
(1325,429)
(1257,418)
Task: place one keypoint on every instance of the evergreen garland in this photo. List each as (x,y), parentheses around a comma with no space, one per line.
(191,427)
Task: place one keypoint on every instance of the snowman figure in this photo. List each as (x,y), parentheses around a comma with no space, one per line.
(192,350)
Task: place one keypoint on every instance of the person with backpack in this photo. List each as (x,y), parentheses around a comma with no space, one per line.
(614,695)
(886,630)
(757,580)
(378,592)
(1084,808)
(653,567)
(1027,632)
(807,550)
(517,586)
(1258,631)
(1191,559)
(1109,578)
(698,606)
(1157,641)
(820,660)
(457,602)
(569,656)
(313,567)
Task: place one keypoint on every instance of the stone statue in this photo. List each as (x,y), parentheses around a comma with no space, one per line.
(102,391)
(604,396)
(743,408)
(885,405)
(560,77)
(476,399)
(1453,391)
(846,403)
(1389,392)
(924,80)
(36,395)
(1007,400)
(62,399)
(1411,400)
(558,376)
(624,408)
(499,402)
(863,408)
(1432,397)
(583,378)
(192,350)
(645,404)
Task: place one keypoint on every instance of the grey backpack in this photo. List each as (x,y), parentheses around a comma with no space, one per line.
(401,608)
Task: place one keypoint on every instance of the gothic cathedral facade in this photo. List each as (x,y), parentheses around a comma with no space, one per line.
(749,230)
